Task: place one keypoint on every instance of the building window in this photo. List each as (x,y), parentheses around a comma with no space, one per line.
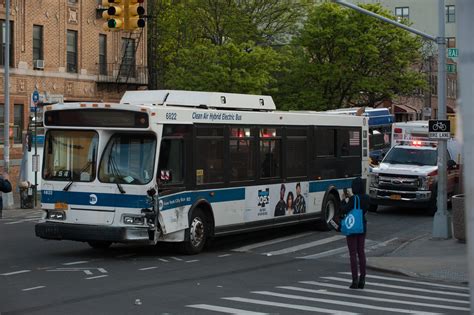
(3,31)
(37,43)
(451,42)
(72,51)
(102,54)
(72,2)
(450,14)
(18,123)
(402,13)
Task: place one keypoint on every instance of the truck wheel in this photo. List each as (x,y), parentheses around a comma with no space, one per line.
(99,244)
(329,211)
(196,234)
(373,207)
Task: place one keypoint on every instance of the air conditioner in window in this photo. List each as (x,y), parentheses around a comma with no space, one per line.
(38,64)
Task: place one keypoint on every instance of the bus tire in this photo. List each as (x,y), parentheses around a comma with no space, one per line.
(328,212)
(196,234)
(373,207)
(99,244)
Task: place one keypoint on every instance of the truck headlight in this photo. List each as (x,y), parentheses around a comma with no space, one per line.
(426,182)
(373,179)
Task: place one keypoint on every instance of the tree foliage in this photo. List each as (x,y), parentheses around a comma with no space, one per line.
(342,57)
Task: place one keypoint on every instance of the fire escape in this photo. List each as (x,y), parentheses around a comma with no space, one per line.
(125,75)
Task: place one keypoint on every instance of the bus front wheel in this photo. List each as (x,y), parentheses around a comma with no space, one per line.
(196,235)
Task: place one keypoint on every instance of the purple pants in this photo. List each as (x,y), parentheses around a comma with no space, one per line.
(356,245)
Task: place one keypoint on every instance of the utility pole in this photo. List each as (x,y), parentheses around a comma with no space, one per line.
(442,219)
(465,25)
(6,121)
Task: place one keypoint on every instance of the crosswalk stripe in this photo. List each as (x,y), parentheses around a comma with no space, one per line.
(270,242)
(391,293)
(360,297)
(290,306)
(332,252)
(222,309)
(413,281)
(363,306)
(306,245)
(400,287)
(22,221)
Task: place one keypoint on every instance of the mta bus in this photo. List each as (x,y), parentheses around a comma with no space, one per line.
(184,167)
(380,128)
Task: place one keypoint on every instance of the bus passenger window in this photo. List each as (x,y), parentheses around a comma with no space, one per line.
(171,163)
(209,154)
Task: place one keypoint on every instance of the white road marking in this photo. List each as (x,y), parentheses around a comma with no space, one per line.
(191,261)
(335,251)
(225,255)
(163,260)
(22,221)
(331,301)
(401,287)
(14,273)
(34,288)
(96,277)
(409,295)
(306,245)
(76,262)
(102,270)
(291,306)
(221,309)
(270,242)
(147,268)
(414,282)
(354,296)
(176,258)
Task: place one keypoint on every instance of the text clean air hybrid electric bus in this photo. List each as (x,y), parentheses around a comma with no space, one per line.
(181,166)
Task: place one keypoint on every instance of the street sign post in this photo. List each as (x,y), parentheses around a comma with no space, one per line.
(439,128)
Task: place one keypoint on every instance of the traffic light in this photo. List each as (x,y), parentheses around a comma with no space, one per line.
(114,15)
(134,15)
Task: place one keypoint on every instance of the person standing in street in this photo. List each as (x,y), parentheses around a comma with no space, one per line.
(356,242)
(5,187)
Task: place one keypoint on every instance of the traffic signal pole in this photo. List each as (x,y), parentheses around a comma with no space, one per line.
(465,40)
(442,219)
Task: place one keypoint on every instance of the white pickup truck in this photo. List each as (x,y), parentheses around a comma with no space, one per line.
(408,176)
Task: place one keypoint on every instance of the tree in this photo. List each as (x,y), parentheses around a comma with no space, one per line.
(341,58)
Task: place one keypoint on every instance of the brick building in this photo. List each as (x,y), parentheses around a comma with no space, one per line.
(60,49)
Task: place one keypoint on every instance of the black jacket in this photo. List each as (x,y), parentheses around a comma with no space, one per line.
(359,190)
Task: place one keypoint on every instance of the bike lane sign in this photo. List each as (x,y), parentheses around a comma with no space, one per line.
(439,128)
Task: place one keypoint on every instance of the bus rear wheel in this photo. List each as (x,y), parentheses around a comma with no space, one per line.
(99,244)
(197,233)
(329,211)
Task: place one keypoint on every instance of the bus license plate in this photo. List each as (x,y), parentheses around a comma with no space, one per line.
(395,197)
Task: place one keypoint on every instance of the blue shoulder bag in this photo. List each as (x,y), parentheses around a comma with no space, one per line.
(353,222)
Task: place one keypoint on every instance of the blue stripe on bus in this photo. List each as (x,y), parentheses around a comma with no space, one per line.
(101,199)
(188,198)
(323,185)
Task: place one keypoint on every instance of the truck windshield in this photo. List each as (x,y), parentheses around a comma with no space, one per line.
(128,159)
(70,155)
(411,156)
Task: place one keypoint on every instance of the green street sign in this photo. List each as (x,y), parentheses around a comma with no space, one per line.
(451,68)
(453,52)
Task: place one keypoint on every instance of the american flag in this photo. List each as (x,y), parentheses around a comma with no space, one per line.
(354,138)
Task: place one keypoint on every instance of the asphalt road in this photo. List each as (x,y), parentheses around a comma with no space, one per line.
(287,271)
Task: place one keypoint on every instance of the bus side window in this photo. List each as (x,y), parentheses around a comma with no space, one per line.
(171,163)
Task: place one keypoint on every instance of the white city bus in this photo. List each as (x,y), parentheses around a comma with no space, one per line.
(183,166)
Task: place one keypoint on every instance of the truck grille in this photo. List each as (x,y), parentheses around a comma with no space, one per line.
(399,182)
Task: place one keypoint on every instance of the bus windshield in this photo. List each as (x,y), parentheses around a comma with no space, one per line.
(128,159)
(411,156)
(70,155)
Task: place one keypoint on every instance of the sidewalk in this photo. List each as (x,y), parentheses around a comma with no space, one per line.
(435,259)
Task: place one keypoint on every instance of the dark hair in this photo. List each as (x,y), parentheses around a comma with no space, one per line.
(298,185)
(358,187)
(292,199)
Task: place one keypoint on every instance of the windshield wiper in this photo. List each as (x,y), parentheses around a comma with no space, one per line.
(116,173)
(86,166)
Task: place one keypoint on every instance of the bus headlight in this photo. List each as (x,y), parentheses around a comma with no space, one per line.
(373,179)
(56,215)
(133,219)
